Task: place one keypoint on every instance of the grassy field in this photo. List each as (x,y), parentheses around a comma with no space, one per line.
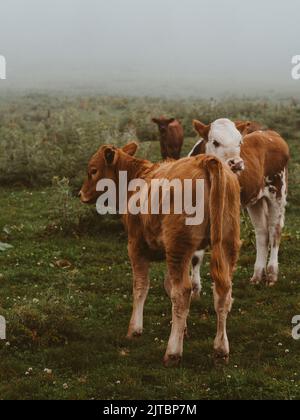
(65,286)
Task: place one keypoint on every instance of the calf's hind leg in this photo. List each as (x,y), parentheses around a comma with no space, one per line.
(223,303)
(259,217)
(181,292)
(277,206)
(141,284)
(222,268)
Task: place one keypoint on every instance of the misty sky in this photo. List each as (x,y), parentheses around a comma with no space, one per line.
(150,45)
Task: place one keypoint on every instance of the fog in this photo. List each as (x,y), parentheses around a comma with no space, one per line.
(153,47)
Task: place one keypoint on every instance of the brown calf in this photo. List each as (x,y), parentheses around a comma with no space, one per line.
(263,178)
(251,126)
(153,236)
(171,137)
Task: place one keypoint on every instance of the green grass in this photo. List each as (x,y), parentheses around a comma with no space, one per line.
(74,320)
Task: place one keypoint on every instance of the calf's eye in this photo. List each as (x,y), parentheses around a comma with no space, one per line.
(216,143)
(94,172)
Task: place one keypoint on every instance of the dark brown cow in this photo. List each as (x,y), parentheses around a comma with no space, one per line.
(168,235)
(263,177)
(171,137)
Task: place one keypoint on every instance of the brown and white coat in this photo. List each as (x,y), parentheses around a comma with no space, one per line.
(263,177)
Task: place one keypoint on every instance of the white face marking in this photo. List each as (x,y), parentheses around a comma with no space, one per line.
(224,141)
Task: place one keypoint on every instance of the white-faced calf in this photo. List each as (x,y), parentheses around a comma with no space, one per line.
(260,158)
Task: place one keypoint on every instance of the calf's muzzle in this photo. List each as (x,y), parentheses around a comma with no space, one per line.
(236,165)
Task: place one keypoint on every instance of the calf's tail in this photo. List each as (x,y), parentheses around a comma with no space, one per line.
(219,266)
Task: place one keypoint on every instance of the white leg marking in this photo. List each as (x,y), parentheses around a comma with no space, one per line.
(258,214)
(181,298)
(196,273)
(141,284)
(223,306)
(277,206)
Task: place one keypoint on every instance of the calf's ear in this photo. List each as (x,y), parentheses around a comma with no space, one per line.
(202,129)
(243,127)
(131,148)
(110,155)
(155,121)
(171,120)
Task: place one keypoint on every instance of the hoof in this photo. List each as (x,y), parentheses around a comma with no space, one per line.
(196,293)
(221,350)
(221,360)
(134,335)
(221,354)
(172,360)
(271,282)
(256,280)
(272,277)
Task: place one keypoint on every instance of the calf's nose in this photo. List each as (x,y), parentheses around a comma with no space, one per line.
(236,165)
(82,197)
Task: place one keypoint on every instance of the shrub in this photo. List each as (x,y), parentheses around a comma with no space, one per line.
(43,136)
